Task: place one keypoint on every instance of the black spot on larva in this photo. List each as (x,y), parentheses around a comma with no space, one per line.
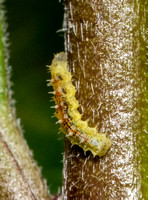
(63,91)
(60,77)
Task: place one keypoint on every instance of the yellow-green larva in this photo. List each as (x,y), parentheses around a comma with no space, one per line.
(75,129)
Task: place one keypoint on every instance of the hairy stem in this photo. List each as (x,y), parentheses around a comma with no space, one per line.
(106,50)
(20,178)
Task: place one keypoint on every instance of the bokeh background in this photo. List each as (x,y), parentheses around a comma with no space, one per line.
(33,38)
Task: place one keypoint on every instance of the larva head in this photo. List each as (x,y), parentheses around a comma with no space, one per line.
(59,57)
(99,144)
(58,68)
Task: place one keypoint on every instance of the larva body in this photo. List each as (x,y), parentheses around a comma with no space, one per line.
(75,129)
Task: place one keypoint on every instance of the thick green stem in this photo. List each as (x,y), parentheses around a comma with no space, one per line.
(106,49)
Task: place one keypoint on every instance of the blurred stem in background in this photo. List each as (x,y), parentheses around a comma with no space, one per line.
(20,178)
(106,48)
(34,40)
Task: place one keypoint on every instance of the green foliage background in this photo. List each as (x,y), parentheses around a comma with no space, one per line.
(32,25)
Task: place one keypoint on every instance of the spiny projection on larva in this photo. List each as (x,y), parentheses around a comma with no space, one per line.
(75,129)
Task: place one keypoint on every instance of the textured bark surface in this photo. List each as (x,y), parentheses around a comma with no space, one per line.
(106,50)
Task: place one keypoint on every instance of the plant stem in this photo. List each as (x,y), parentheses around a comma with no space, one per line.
(20,177)
(106,50)
(3,96)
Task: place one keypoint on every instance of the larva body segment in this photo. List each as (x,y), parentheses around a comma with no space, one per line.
(75,129)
